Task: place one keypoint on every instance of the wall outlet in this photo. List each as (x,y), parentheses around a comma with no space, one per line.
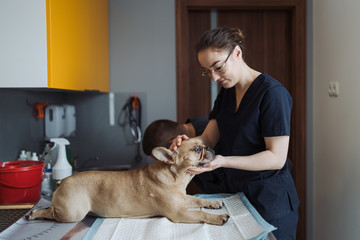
(334,89)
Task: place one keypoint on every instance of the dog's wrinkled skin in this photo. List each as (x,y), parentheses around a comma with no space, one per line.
(156,190)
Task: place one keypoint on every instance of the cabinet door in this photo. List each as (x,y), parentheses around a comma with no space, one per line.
(78,44)
(23,43)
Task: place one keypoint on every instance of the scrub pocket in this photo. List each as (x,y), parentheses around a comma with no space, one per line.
(274,197)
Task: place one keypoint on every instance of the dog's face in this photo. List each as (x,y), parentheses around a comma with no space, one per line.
(191,153)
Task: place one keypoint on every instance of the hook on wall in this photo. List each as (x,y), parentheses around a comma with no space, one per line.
(38,108)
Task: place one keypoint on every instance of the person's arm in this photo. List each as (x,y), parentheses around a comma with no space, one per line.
(211,134)
(209,137)
(274,157)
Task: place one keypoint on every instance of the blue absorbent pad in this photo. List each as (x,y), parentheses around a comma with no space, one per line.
(266,226)
(244,223)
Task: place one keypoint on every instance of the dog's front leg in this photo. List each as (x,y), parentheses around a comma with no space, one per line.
(190,216)
(195,202)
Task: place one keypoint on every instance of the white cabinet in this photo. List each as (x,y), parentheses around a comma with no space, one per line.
(54,44)
(23,50)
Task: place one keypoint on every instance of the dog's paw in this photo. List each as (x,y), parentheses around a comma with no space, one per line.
(215,205)
(225,218)
(28,216)
(221,219)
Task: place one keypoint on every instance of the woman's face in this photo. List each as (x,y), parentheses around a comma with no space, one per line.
(218,65)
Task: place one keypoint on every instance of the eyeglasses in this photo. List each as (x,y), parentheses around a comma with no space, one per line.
(218,70)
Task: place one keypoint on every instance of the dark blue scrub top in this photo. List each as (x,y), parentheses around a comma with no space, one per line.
(264,111)
(199,124)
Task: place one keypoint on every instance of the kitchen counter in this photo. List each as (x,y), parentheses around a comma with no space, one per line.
(9,216)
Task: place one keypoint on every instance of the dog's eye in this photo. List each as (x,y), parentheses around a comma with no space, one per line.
(198,149)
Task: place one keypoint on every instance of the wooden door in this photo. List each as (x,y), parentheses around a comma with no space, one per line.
(274,44)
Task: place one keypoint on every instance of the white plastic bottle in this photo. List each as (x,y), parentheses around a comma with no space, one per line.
(34,157)
(62,168)
(28,155)
(22,155)
(46,183)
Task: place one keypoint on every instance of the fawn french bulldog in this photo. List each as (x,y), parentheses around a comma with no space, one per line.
(156,190)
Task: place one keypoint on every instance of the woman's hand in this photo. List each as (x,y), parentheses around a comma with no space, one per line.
(214,164)
(176,142)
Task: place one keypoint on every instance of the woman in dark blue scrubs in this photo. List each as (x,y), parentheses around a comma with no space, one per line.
(250,122)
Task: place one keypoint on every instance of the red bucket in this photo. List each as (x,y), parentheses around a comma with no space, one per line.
(20,181)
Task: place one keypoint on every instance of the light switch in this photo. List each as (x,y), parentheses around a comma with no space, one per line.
(334,89)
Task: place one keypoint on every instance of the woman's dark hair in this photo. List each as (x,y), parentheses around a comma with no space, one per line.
(221,38)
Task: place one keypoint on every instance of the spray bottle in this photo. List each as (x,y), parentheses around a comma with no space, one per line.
(62,168)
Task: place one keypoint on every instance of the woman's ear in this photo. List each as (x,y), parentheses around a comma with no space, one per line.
(238,51)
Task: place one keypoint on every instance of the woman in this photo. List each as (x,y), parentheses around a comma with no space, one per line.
(250,122)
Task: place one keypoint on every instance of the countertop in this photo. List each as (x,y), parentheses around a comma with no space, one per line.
(9,214)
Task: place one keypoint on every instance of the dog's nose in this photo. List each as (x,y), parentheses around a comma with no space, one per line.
(209,152)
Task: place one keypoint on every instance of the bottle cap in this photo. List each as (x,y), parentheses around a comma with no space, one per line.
(48,168)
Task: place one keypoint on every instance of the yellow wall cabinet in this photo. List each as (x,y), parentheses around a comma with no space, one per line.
(60,44)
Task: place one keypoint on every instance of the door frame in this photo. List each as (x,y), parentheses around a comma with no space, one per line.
(298,9)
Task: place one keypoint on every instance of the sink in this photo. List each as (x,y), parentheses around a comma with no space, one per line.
(106,168)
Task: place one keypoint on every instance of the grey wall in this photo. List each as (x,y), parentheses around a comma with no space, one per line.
(98,142)
(309,121)
(142,53)
(19,129)
(336,51)
(95,138)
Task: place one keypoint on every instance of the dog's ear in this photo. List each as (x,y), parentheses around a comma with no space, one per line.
(165,155)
